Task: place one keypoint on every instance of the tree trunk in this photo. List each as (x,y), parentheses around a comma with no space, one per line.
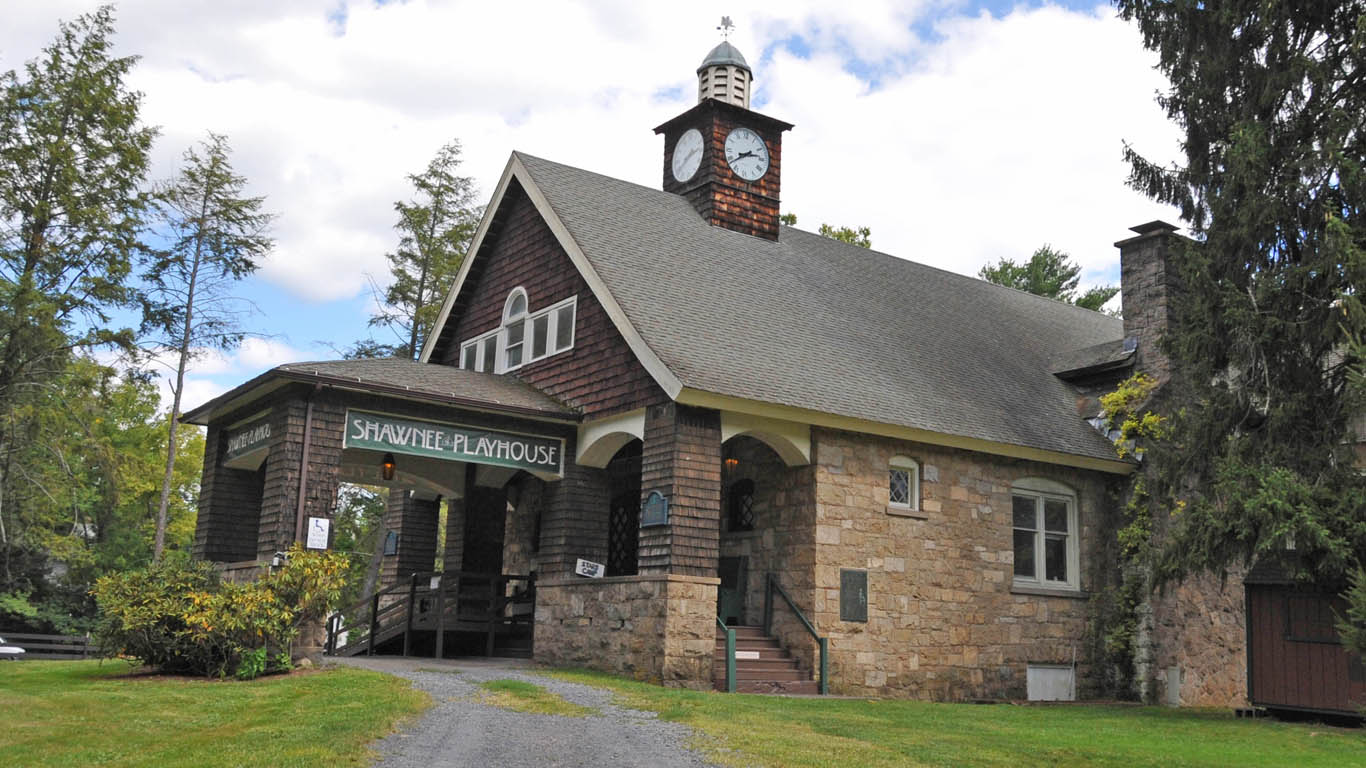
(186,335)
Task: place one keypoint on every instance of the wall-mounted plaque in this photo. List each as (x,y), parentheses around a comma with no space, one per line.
(391,543)
(654,510)
(853,595)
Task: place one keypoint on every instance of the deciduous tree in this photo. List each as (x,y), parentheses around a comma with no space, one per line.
(1049,273)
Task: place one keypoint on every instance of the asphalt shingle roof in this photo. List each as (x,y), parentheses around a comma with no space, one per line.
(815,323)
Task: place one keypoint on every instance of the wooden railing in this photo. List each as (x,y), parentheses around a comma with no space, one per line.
(775,588)
(51,646)
(453,600)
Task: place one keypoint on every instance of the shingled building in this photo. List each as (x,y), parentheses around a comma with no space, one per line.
(654,411)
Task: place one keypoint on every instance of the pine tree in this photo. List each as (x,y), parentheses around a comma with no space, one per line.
(1049,273)
(1259,461)
(434,228)
(211,237)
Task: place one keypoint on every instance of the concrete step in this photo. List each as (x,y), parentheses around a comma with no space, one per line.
(750,645)
(761,674)
(775,687)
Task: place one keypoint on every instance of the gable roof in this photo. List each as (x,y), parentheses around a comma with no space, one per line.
(815,324)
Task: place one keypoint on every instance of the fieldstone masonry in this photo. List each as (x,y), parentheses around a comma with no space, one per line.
(655,627)
(944,622)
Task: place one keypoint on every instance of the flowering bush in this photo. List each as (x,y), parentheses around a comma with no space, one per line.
(181,618)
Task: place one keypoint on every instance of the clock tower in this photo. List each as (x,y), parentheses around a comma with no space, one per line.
(722,156)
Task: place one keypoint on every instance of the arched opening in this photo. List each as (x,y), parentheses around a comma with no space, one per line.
(623,520)
(759,494)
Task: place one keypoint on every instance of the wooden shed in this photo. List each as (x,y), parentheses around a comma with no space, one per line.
(1295,659)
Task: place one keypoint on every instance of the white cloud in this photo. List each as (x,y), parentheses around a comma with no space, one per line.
(986,139)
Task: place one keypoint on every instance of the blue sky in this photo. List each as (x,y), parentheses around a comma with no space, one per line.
(993,127)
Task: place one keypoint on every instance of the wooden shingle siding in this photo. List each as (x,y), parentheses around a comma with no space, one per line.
(681,458)
(229,506)
(600,375)
(415,520)
(575,519)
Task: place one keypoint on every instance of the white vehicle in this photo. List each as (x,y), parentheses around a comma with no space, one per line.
(11,652)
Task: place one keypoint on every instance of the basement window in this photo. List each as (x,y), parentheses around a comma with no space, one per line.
(522,337)
(1044,523)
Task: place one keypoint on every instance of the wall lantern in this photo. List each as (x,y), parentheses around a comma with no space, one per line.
(732,464)
(387,466)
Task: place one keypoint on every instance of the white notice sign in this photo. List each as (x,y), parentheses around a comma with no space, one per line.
(590,569)
(318,530)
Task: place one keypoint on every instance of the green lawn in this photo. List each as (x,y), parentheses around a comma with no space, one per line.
(85,713)
(743,730)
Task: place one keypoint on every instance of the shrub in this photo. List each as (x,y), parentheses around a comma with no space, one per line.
(182,619)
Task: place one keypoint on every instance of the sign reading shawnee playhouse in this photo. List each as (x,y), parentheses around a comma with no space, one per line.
(379,432)
(248,439)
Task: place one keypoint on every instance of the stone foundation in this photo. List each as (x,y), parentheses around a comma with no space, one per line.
(656,627)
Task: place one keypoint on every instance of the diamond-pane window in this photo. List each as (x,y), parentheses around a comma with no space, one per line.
(900,487)
(903,484)
(740,506)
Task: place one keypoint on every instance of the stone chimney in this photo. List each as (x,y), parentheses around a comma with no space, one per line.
(1148,282)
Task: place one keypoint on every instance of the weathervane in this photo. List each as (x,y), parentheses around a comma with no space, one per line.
(726,27)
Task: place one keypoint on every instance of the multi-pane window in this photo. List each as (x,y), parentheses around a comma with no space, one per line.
(1045,535)
(523,336)
(903,484)
(740,506)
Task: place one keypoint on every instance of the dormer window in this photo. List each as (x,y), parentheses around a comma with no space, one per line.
(522,337)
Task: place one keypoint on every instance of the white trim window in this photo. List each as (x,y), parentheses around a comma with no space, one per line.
(1045,532)
(903,484)
(522,337)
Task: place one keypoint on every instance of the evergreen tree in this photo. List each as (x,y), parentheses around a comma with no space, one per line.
(73,159)
(1049,273)
(435,229)
(1258,460)
(210,236)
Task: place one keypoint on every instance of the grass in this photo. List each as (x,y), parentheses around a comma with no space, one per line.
(528,697)
(744,730)
(88,713)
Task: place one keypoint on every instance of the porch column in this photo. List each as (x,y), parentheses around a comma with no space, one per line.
(291,421)
(681,459)
(415,522)
(575,521)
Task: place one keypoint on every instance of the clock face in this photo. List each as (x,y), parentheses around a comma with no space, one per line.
(687,154)
(747,154)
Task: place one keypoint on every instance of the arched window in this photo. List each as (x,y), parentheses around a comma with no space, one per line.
(903,485)
(514,328)
(522,336)
(1044,521)
(740,506)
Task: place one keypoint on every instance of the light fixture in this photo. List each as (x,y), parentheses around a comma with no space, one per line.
(387,466)
(731,464)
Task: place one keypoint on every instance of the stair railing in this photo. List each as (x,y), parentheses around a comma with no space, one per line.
(774,587)
(365,616)
(730,654)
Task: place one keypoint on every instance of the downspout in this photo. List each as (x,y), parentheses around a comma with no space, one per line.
(303,464)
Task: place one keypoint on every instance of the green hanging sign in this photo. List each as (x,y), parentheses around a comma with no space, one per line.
(391,434)
(245,441)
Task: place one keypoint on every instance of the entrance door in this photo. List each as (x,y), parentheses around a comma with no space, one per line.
(730,596)
(486,512)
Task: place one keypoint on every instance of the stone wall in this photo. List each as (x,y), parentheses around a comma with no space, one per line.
(944,621)
(521,545)
(1200,633)
(655,627)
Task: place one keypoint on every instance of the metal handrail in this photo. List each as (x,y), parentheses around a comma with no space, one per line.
(730,655)
(774,586)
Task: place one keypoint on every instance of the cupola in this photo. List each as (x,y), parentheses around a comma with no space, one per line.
(725,158)
(724,76)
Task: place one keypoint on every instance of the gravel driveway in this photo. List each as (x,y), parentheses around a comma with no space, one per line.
(460,731)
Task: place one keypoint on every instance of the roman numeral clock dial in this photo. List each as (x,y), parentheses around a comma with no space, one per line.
(747,154)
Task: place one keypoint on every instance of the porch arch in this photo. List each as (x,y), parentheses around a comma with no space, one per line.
(790,440)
